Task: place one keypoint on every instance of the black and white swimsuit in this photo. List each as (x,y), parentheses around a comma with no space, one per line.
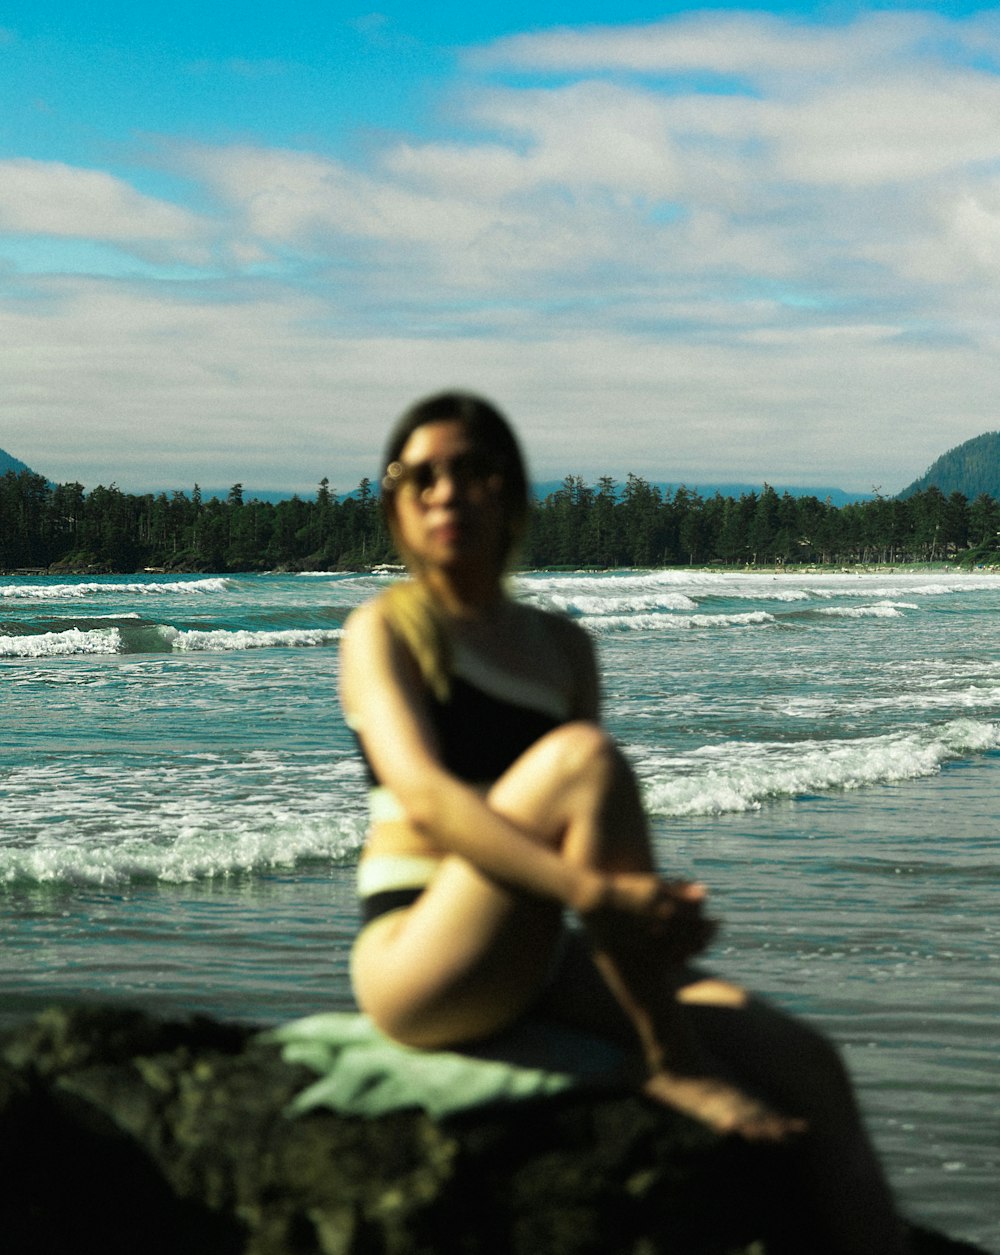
(486,723)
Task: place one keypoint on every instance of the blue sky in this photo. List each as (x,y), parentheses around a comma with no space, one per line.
(701,244)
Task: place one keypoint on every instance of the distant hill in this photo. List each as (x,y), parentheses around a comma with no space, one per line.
(8,463)
(836,496)
(972,468)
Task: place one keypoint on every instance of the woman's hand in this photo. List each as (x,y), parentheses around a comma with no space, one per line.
(640,910)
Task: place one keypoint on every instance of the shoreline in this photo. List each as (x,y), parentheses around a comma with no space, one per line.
(790,569)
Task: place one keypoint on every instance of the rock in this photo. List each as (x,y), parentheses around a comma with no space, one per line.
(121,1133)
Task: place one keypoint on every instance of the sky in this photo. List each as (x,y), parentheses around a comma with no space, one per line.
(698,244)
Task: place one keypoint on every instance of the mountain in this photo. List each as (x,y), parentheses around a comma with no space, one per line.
(836,496)
(972,468)
(8,463)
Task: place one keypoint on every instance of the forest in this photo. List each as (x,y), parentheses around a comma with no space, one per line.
(47,527)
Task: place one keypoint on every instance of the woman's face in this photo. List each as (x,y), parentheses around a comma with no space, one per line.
(448,499)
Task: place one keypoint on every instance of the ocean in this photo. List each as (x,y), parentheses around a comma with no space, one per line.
(181,810)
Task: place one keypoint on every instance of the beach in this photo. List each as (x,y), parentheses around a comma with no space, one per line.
(181,809)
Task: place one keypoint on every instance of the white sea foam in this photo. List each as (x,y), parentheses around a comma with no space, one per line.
(63,592)
(880,610)
(637,603)
(195,853)
(931,697)
(634,589)
(777,590)
(738,777)
(945,590)
(183,818)
(865,587)
(222,641)
(615,582)
(61,644)
(675,622)
(75,641)
(784,594)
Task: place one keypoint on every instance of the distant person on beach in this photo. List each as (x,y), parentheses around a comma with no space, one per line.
(499,807)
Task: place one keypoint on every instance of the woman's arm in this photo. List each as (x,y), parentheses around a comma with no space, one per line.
(383,695)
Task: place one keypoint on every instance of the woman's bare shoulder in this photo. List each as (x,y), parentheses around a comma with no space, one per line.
(367,620)
(374,660)
(368,641)
(364,614)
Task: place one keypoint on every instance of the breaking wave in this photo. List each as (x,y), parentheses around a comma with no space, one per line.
(740,776)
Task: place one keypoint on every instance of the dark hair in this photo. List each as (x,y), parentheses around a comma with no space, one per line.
(409,606)
(489,431)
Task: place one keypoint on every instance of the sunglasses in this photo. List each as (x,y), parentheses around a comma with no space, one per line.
(473,469)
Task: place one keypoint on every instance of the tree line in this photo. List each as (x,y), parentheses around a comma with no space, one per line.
(607,524)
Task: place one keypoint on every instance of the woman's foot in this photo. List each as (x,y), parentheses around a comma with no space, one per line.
(721,1107)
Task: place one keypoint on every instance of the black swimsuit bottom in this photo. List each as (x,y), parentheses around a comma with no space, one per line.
(377,904)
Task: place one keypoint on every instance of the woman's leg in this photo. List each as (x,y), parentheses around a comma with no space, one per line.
(784,1062)
(789,1063)
(466,960)
(605,827)
(470,955)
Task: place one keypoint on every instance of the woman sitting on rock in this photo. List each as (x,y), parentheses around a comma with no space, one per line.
(499,805)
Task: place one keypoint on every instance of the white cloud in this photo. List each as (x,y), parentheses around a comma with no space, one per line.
(587,135)
(294,198)
(104,382)
(740,242)
(757,47)
(609,189)
(888,130)
(52,198)
(958,251)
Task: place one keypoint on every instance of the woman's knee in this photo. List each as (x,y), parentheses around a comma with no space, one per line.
(545,780)
(581,750)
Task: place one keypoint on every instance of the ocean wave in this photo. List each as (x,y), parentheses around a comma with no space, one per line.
(739,777)
(605,606)
(223,641)
(935,696)
(177,818)
(632,588)
(150,638)
(62,592)
(73,641)
(195,854)
(968,697)
(778,591)
(946,590)
(879,610)
(633,579)
(863,587)
(676,622)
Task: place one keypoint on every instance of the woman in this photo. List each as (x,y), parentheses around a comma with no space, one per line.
(499,804)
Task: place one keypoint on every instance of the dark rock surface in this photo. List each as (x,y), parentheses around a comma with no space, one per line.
(120,1133)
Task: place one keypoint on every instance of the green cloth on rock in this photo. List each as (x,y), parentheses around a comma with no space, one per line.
(363,1072)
